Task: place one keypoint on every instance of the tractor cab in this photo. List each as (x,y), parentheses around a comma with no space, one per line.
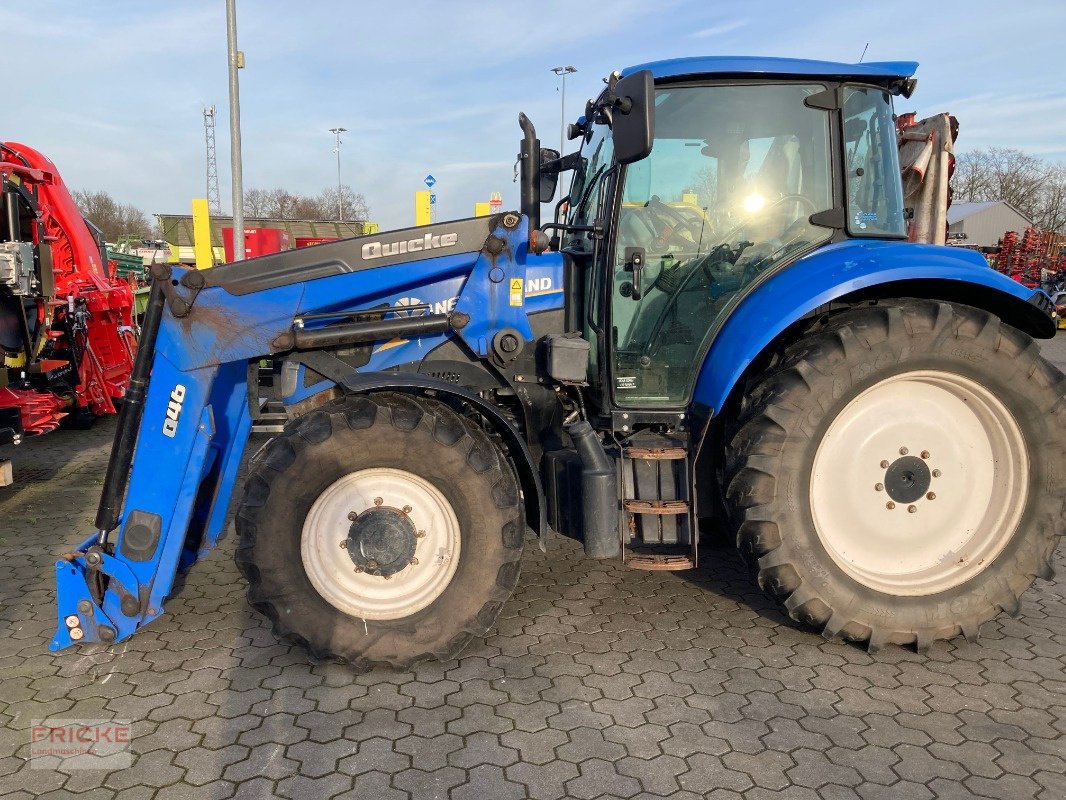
(698,180)
(749,165)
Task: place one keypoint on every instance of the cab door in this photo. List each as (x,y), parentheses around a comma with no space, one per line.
(726,194)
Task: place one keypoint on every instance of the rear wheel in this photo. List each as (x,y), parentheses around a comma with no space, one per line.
(897,477)
(381,529)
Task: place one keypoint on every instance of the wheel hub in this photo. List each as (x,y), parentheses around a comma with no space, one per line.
(380,517)
(907,479)
(381,541)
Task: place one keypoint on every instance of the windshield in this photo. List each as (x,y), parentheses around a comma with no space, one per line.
(727,192)
(875,195)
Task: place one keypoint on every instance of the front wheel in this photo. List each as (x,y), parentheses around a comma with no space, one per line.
(381,529)
(898,477)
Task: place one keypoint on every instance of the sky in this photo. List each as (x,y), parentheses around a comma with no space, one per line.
(113,91)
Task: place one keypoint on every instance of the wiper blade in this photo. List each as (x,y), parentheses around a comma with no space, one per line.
(579,214)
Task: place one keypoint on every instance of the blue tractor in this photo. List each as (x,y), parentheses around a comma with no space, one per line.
(724,327)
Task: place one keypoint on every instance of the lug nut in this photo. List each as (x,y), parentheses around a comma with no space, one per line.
(85,607)
(371,563)
(358,570)
(407,509)
(903,451)
(420,535)
(378,501)
(879,487)
(386,577)
(353,515)
(912,509)
(413,562)
(884,465)
(931,496)
(925,454)
(344,544)
(937,473)
(890,505)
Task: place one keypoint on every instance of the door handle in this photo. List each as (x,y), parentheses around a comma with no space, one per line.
(634,262)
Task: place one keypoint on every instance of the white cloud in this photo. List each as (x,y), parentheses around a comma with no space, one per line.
(429,87)
(720,29)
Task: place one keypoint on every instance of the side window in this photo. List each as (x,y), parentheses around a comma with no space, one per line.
(586,185)
(586,198)
(875,195)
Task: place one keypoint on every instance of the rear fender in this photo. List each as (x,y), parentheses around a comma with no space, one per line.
(856,270)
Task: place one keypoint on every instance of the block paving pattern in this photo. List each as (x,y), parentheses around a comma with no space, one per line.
(596,682)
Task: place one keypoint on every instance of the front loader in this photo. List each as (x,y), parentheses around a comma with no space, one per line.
(723,327)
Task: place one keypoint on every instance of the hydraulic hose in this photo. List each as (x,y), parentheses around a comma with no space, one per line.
(129,418)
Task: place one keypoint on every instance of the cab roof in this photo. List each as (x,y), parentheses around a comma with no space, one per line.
(765,65)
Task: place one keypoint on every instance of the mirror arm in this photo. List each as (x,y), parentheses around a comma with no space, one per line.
(564,164)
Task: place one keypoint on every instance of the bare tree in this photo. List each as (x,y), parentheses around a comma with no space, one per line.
(113,218)
(282,204)
(256,202)
(1052,212)
(353,206)
(1033,186)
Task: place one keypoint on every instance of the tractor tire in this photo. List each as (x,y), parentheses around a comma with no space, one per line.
(898,476)
(381,529)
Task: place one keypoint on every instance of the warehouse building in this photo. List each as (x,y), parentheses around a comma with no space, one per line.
(177,232)
(983,224)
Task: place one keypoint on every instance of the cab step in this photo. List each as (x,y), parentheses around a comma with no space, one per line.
(657,453)
(659,563)
(658,515)
(656,506)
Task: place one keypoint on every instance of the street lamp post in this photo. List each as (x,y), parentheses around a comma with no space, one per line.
(236,62)
(340,202)
(562,72)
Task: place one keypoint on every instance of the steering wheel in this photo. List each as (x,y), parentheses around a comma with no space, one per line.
(681,223)
(750,268)
(764,213)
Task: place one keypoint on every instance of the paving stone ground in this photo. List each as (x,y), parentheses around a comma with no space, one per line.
(596,682)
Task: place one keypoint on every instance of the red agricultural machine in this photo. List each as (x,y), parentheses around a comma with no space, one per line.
(67,339)
(1032,258)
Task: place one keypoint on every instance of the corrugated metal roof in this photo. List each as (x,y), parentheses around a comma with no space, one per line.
(177,228)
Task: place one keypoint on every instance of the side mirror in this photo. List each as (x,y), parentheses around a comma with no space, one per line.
(549,180)
(633,117)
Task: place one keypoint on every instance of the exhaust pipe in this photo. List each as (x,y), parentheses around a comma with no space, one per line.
(599,493)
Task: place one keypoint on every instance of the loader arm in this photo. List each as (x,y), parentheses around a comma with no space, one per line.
(183,430)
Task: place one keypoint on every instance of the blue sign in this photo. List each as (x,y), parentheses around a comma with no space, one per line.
(433,199)
(429,181)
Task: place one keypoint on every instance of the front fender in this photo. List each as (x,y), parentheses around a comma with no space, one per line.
(859,268)
(339,374)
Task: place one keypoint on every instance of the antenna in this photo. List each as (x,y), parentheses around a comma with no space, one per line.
(864,52)
(214,203)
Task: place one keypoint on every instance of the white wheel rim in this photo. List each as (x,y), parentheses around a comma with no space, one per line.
(978,474)
(334,575)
